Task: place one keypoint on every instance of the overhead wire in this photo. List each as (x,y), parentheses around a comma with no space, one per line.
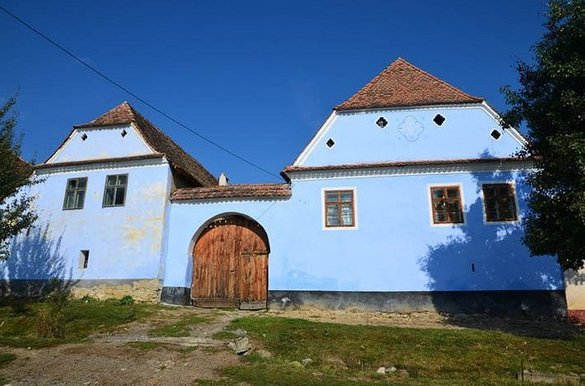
(134,95)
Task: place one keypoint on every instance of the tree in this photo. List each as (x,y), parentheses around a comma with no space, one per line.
(551,102)
(16,211)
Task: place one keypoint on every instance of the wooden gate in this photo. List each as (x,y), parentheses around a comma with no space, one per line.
(230,265)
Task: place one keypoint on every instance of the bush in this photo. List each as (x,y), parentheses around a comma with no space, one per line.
(50,320)
(126,300)
(88,299)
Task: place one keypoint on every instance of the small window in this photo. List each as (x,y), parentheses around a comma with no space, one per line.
(496,134)
(439,119)
(499,202)
(75,193)
(339,208)
(330,143)
(83,137)
(446,205)
(115,191)
(381,122)
(83,259)
(123,133)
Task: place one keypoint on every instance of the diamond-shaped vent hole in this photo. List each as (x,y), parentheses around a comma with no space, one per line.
(495,134)
(123,133)
(83,137)
(330,143)
(439,119)
(381,122)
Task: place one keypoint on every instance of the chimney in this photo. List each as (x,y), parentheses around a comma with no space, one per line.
(223,180)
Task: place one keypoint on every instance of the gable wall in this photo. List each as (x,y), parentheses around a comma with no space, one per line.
(102,143)
(410,135)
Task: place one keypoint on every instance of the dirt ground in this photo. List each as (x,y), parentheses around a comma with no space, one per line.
(122,358)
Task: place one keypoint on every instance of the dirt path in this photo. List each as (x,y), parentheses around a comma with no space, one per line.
(131,356)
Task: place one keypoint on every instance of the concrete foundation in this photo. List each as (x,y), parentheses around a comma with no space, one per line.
(176,295)
(517,304)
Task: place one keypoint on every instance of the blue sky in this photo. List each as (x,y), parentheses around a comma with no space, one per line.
(256,77)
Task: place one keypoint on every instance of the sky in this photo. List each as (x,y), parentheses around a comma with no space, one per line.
(256,77)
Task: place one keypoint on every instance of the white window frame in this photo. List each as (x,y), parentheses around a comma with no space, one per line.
(484,214)
(430,204)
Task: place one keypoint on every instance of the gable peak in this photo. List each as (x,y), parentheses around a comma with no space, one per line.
(122,114)
(402,84)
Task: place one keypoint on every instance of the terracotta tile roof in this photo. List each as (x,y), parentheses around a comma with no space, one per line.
(156,139)
(402,84)
(98,161)
(232,191)
(292,169)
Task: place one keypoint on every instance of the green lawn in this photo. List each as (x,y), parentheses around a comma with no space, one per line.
(348,354)
(20,319)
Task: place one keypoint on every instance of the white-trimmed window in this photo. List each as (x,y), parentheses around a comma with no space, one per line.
(115,190)
(75,193)
(499,202)
(339,208)
(447,204)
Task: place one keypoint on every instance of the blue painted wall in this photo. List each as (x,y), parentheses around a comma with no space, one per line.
(394,248)
(125,242)
(409,135)
(102,142)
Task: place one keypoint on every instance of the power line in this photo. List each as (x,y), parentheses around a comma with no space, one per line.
(134,95)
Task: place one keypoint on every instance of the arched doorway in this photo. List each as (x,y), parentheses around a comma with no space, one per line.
(230,264)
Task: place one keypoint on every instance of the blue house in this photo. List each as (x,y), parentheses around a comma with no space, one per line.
(409,197)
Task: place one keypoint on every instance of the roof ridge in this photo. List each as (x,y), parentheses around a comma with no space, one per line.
(179,148)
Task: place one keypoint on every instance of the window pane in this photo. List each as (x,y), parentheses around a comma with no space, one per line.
(68,200)
(122,179)
(346,215)
(438,193)
(109,197)
(111,180)
(332,197)
(72,184)
(80,199)
(82,183)
(453,192)
(504,190)
(332,215)
(346,196)
(120,196)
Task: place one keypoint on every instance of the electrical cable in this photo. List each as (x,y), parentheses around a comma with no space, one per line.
(134,95)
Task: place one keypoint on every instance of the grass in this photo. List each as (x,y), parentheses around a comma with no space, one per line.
(19,319)
(181,328)
(348,354)
(6,358)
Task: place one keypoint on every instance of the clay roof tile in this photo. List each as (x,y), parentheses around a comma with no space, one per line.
(124,114)
(402,84)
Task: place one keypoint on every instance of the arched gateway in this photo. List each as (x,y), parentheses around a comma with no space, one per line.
(230,264)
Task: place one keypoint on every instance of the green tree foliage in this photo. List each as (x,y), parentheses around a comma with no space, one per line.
(551,102)
(16,211)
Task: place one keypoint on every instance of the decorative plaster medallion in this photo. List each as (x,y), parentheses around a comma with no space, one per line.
(411,129)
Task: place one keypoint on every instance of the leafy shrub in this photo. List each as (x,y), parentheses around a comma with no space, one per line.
(88,299)
(126,300)
(50,320)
